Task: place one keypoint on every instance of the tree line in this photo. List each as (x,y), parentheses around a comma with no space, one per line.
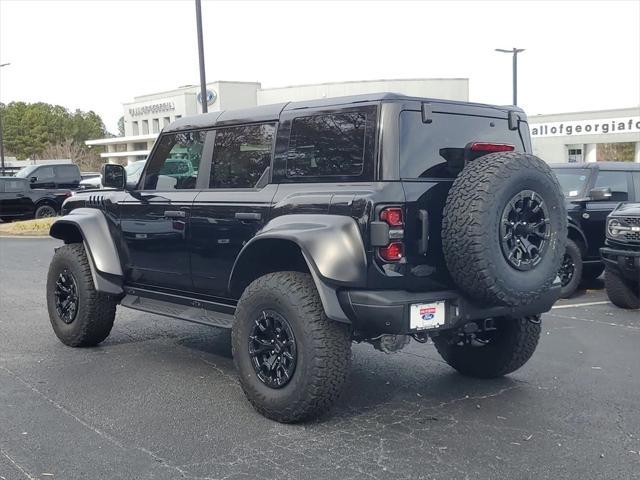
(41,130)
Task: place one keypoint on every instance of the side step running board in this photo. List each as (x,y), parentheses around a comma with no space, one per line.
(189,313)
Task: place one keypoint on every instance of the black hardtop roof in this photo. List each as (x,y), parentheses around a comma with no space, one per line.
(622,166)
(272,112)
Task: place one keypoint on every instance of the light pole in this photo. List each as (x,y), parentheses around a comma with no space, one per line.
(1,136)
(515,52)
(203,79)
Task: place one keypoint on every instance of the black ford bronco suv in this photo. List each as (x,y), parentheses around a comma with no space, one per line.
(621,256)
(309,225)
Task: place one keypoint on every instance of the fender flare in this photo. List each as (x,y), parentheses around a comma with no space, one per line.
(331,246)
(573,226)
(89,226)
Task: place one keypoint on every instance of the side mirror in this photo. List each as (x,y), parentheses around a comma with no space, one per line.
(600,194)
(114,176)
(33,179)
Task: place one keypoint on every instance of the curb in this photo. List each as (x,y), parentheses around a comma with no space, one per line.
(24,236)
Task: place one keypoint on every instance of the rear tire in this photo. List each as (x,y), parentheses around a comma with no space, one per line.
(320,358)
(622,293)
(45,211)
(504,229)
(508,348)
(571,270)
(87,320)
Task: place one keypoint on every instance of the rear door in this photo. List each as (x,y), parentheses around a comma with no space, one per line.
(155,218)
(67,176)
(234,205)
(14,199)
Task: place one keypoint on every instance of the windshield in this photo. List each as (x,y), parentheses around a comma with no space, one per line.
(26,171)
(572,181)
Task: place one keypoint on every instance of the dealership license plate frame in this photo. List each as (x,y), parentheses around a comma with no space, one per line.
(427,316)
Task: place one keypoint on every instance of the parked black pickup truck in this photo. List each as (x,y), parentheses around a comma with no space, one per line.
(621,256)
(18,201)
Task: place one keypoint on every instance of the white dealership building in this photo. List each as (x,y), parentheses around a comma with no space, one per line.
(562,137)
(146,115)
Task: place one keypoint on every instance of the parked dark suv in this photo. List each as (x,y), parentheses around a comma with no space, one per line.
(18,201)
(52,175)
(308,225)
(592,191)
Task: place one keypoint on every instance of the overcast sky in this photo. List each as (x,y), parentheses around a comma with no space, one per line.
(95,55)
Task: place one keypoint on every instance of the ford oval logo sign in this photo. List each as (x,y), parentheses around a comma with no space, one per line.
(211,97)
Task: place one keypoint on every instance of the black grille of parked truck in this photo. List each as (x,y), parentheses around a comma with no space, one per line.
(621,256)
(592,191)
(307,226)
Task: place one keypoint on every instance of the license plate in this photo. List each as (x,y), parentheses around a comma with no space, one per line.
(424,316)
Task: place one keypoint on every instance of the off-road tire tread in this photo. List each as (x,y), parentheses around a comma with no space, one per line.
(465,252)
(332,344)
(620,292)
(469,361)
(578,273)
(95,318)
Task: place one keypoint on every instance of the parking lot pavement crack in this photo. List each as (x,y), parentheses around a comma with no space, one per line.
(95,430)
(17,465)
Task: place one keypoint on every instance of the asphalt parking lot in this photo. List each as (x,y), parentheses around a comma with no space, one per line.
(159,399)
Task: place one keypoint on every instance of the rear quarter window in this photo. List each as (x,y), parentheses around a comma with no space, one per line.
(332,146)
(427,150)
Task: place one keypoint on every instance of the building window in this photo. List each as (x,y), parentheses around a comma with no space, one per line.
(145,127)
(575,155)
(166,121)
(615,152)
(156,125)
(139,146)
(135,128)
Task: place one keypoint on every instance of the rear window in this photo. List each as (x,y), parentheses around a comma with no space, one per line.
(428,150)
(67,171)
(332,146)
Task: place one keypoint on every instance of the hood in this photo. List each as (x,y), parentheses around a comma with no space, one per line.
(626,210)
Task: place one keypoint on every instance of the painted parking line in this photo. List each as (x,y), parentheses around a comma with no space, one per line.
(586,304)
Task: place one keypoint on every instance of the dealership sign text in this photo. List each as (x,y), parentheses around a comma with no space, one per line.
(602,126)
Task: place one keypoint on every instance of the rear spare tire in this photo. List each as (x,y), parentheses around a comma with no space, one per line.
(504,228)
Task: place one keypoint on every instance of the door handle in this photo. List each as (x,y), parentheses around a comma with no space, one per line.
(248,216)
(175,214)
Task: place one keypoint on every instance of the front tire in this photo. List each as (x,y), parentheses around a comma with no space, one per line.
(80,316)
(291,359)
(622,293)
(494,353)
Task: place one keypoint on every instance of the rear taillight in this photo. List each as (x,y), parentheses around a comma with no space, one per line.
(491,147)
(392,216)
(392,252)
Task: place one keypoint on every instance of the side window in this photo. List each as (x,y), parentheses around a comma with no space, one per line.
(14,186)
(66,171)
(175,162)
(44,173)
(328,145)
(617,182)
(241,155)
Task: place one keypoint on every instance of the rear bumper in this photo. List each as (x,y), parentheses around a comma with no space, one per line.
(624,262)
(377,312)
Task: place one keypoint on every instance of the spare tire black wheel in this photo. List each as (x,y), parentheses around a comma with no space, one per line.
(504,228)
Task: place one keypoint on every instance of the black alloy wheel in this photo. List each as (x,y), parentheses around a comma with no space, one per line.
(66,296)
(45,211)
(524,230)
(272,348)
(567,270)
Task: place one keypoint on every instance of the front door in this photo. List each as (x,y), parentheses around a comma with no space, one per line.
(596,212)
(236,204)
(155,219)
